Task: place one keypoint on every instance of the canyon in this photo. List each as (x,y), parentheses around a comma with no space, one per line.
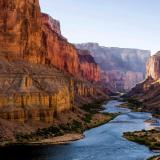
(46,81)
(121,68)
(148,91)
(42,75)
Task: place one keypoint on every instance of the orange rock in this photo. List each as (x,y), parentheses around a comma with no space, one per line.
(21,35)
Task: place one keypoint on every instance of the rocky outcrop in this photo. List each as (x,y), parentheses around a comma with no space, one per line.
(149,90)
(21,32)
(121,67)
(65,56)
(88,67)
(41,73)
(52,23)
(153,67)
(35,93)
(60,53)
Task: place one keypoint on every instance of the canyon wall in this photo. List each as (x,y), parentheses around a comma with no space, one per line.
(28,34)
(64,55)
(21,32)
(153,67)
(41,73)
(88,67)
(52,23)
(148,92)
(123,68)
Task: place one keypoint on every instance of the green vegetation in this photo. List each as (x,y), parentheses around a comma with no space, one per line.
(90,118)
(154,158)
(134,104)
(149,138)
(94,107)
(52,131)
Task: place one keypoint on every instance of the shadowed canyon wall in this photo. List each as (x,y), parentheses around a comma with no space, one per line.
(88,67)
(148,92)
(122,68)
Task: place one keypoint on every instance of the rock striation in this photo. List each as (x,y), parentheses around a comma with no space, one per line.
(64,55)
(52,23)
(153,67)
(123,68)
(148,91)
(88,67)
(42,75)
(28,34)
(21,32)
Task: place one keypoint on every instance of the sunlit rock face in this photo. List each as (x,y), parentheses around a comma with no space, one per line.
(149,90)
(60,53)
(21,35)
(31,92)
(153,67)
(41,73)
(121,67)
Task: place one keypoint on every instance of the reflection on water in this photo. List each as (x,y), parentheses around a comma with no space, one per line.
(102,143)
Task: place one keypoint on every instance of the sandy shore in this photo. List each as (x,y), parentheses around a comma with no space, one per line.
(59,139)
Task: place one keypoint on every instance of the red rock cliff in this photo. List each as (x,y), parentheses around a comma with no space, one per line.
(20,30)
(88,67)
(52,23)
(28,34)
(64,55)
(60,53)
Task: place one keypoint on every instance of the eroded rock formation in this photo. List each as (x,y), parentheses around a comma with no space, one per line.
(52,23)
(41,73)
(64,55)
(153,67)
(148,92)
(121,67)
(88,67)
(21,32)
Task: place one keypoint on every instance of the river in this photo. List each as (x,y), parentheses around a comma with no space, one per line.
(101,143)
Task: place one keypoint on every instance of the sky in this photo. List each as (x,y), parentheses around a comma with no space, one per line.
(111,23)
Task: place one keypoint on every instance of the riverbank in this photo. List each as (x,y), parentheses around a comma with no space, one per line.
(68,127)
(149,138)
(154,158)
(94,144)
(138,106)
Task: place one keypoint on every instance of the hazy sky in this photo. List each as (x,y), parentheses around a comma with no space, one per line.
(113,23)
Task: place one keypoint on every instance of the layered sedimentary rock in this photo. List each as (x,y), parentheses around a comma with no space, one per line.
(121,67)
(64,55)
(52,23)
(21,32)
(153,67)
(28,34)
(60,53)
(88,67)
(35,93)
(40,71)
(148,91)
